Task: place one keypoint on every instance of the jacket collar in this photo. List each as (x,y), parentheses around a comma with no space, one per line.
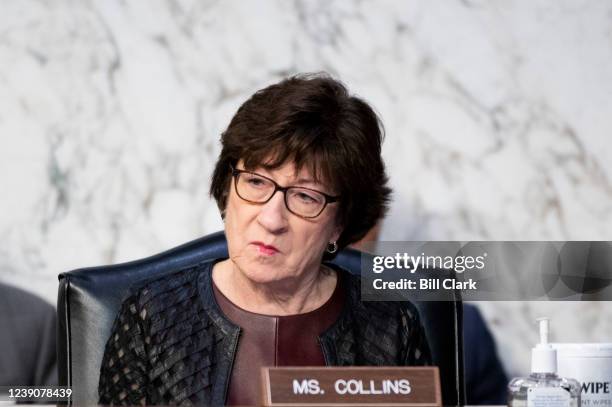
(209,303)
(211,307)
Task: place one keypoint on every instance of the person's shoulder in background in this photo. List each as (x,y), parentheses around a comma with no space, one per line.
(485,378)
(27,339)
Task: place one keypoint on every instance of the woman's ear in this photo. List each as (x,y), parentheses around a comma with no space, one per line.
(336,233)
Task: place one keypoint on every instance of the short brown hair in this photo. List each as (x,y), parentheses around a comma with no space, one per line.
(312,120)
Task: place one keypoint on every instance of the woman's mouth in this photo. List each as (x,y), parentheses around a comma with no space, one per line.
(265,249)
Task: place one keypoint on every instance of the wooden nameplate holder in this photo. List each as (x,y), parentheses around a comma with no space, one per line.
(349,386)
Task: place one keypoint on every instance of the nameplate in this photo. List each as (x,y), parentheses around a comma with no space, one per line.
(364,386)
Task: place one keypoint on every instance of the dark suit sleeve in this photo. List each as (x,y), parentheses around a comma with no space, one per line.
(485,378)
(123,374)
(27,339)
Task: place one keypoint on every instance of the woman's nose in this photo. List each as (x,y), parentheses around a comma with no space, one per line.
(273,214)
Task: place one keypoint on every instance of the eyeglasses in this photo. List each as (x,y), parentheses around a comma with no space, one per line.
(303,202)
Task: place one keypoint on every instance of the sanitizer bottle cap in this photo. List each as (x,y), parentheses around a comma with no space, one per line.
(543,355)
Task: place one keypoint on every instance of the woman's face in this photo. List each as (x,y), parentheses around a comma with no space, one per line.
(266,242)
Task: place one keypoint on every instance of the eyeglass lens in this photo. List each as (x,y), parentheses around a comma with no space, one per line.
(301,201)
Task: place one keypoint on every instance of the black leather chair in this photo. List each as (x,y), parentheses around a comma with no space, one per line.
(89,299)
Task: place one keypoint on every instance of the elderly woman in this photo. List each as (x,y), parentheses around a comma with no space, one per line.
(299,177)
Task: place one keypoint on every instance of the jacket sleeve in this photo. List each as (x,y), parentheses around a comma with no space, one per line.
(415,347)
(123,374)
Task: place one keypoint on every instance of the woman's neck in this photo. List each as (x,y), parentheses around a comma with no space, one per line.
(290,296)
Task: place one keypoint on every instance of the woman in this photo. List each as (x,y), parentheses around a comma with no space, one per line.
(299,177)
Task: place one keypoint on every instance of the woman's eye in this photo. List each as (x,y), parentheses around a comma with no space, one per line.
(305,198)
(255,182)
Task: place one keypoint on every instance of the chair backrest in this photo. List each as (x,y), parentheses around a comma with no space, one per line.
(89,300)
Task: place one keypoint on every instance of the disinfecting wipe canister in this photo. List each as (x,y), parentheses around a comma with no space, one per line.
(591,365)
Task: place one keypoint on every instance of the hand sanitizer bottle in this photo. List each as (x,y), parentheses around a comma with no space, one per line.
(543,388)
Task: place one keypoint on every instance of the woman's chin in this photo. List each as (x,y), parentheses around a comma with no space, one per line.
(261,275)
(262,270)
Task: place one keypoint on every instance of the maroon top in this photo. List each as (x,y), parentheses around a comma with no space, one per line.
(268,340)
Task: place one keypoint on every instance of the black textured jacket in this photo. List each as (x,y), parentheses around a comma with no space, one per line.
(170,343)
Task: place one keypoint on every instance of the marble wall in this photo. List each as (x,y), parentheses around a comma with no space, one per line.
(497,116)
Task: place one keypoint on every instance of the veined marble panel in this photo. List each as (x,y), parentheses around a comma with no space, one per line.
(497,117)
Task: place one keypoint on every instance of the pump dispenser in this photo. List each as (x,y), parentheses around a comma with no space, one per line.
(543,388)
(543,356)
